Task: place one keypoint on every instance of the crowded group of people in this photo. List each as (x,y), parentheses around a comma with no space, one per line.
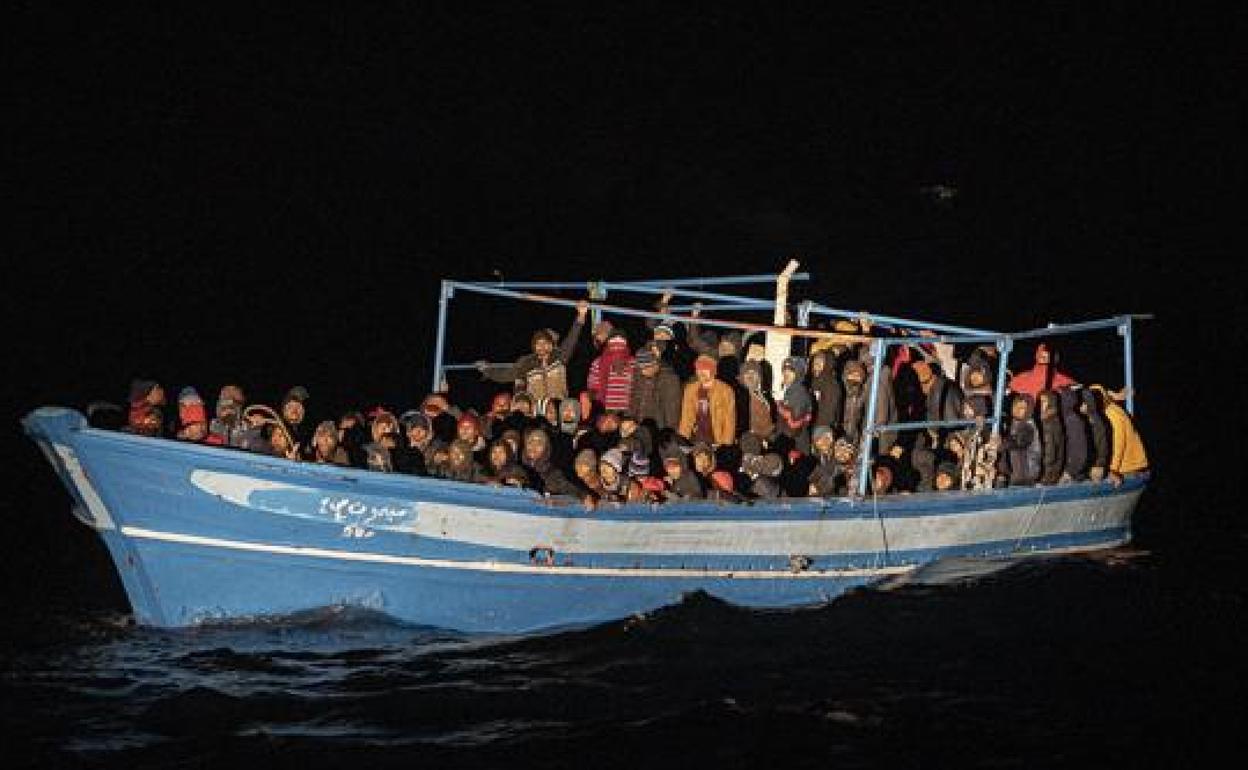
(677,411)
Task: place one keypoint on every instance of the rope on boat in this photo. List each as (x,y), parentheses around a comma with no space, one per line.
(1030,518)
(875,504)
(270,417)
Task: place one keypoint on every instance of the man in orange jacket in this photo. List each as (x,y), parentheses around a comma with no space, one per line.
(709,407)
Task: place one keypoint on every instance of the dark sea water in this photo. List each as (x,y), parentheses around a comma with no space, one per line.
(1127,655)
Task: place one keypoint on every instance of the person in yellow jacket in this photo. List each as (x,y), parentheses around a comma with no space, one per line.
(1127,451)
(709,408)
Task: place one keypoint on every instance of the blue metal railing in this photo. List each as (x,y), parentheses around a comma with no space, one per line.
(944,333)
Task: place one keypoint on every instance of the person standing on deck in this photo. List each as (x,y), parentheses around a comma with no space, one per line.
(610,380)
(542,373)
(708,410)
(1127,450)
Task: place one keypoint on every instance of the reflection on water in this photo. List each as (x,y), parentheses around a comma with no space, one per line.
(1046,662)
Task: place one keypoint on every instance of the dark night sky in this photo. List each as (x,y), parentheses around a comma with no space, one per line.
(270,196)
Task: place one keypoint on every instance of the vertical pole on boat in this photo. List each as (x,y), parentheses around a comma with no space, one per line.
(1128,365)
(444,299)
(868,430)
(1004,346)
(803,321)
(778,344)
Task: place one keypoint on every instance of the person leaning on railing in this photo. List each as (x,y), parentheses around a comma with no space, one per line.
(1127,449)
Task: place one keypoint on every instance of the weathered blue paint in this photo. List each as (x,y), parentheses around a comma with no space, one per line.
(201,533)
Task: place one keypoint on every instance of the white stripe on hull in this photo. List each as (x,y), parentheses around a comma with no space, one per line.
(668,534)
(491,566)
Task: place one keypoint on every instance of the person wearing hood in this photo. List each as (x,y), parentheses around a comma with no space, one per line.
(708,410)
(415,446)
(610,379)
(760,408)
(882,476)
(822,479)
(1076,432)
(585,468)
(615,485)
(885,407)
(943,397)
(146,416)
(192,417)
(325,448)
(702,457)
(570,418)
(460,465)
(1044,375)
(680,482)
(385,438)
(1021,442)
(543,373)
(502,469)
(796,409)
(1098,433)
(976,446)
(1052,438)
(603,434)
(293,411)
(1127,454)
(655,391)
(280,442)
(537,457)
(760,469)
(227,426)
(948,477)
(826,388)
(979,379)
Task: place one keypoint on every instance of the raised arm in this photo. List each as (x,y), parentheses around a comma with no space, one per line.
(568,346)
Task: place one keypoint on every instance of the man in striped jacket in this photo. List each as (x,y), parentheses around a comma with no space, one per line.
(610,380)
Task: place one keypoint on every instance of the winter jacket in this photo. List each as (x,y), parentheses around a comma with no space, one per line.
(1022,442)
(610,380)
(1127,450)
(723,411)
(1053,449)
(1076,431)
(541,380)
(656,398)
(1098,430)
(828,393)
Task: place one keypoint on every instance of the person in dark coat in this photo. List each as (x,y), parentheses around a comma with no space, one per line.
(681,483)
(760,469)
(502,468)
(759,407)
(1076,431)
(543,373)
(1021,443)
(537,458)
(1052,438)
(294,413)
(855,412)
(460,464)
(796,409)
(325,446)
(656,392)
(826,388)
(1098,431)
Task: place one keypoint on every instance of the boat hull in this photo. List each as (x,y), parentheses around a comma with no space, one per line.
(202,534)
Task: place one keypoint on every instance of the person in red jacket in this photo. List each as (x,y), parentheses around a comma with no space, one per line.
(610,380)
(1043,376)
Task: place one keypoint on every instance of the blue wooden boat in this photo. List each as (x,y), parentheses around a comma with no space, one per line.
(202,534)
